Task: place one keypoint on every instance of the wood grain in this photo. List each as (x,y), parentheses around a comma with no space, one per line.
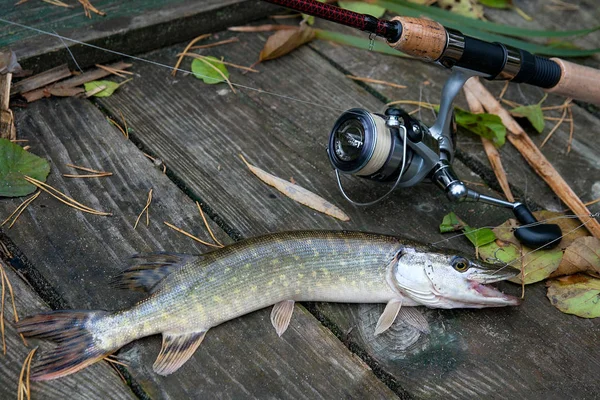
(98,381)
(78,254)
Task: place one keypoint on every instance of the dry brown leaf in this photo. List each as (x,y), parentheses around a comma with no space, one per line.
(298,193)
(285,41)
(583,255)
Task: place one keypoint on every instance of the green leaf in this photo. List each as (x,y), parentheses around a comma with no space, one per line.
(208,74)
(110,87)
(466,8)
(14,164)
(451,20)
(363,8)
(310,20)
(497,3)
(489,126)
(358,42)
(451,223)
(533,113)
(479,236)
(576,294)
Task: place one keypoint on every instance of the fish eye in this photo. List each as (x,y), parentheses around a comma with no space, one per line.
(460,264)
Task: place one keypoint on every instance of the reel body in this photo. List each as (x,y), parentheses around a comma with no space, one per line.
(396,146)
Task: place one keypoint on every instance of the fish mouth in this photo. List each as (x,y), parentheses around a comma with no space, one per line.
(492,296)
(483,276)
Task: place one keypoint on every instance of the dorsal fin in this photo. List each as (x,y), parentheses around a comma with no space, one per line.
(149,269)
(176,350)
(281,314)
(388,316)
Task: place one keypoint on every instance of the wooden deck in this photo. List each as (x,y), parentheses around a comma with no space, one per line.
(65,258)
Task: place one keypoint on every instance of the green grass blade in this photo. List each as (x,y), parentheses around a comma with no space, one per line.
(460,21)
(355,41)
(492,37)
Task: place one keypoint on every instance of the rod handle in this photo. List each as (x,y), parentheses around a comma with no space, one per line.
(421,38)
(578,82)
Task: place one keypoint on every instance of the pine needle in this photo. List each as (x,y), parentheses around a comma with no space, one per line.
(56,3)
(204,58)
(376,81)
(126,128)
(225,78)
(118,72)
(87,7)
(558,124)
(210,232)
(19,210)
(504,89)
(6,283)
(571,129)
(220,43)
(146,209)
(187,48)
(112,121)
(63,198)
(190,235)
(95,90)
(94,173)
(24,388)
(412,103)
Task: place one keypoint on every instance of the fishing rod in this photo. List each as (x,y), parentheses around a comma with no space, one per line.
(394,146)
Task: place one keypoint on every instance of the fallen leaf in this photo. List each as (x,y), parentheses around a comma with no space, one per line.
(479,236)
(283,42)
(109,89)
(576,294)
(298,193)
(207,73)
(363,8)
(489,126)
(451,223)
(583,255)
(15,164)
(467,8)
(533,113)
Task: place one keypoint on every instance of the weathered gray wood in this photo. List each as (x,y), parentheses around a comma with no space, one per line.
(98,381)
(79,253)
(129,26)
(197,128)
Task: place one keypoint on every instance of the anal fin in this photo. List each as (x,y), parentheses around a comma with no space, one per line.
(281,314)
(176,350)
(414,318)
(147,270)
(388,316)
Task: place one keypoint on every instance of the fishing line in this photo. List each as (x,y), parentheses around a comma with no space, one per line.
(158,64)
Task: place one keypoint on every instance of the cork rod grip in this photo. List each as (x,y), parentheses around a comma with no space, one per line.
(421,38)
(578,82)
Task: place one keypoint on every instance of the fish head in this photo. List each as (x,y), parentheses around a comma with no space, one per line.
(451,281)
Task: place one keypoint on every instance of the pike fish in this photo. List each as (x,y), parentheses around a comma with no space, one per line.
(188,295)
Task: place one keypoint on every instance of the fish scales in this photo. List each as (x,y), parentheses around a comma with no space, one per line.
(191,294)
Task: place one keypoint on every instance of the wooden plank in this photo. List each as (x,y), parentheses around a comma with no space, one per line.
(129,26)
(199,130)
(98,381)
(78,254)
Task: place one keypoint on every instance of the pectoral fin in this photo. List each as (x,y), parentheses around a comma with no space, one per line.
(176,350)
(414,318)
(388,316)
(281,314)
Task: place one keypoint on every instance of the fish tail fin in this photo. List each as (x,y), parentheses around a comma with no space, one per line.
(77,346)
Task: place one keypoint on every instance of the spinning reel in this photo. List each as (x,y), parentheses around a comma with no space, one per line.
(396,146)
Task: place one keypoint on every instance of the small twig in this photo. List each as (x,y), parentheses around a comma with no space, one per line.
(24,388)
(413,103)
(215,44)
(201,57)
(504,89)
(95,90)
(190,235)
(146,209)
(187,48)
(376,81)
(19,210)
(511,103)
(208,226)
(63,198)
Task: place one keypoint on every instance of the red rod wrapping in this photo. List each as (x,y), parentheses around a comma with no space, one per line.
(380,27)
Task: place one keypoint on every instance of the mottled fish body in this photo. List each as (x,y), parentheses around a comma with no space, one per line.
(191,294)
